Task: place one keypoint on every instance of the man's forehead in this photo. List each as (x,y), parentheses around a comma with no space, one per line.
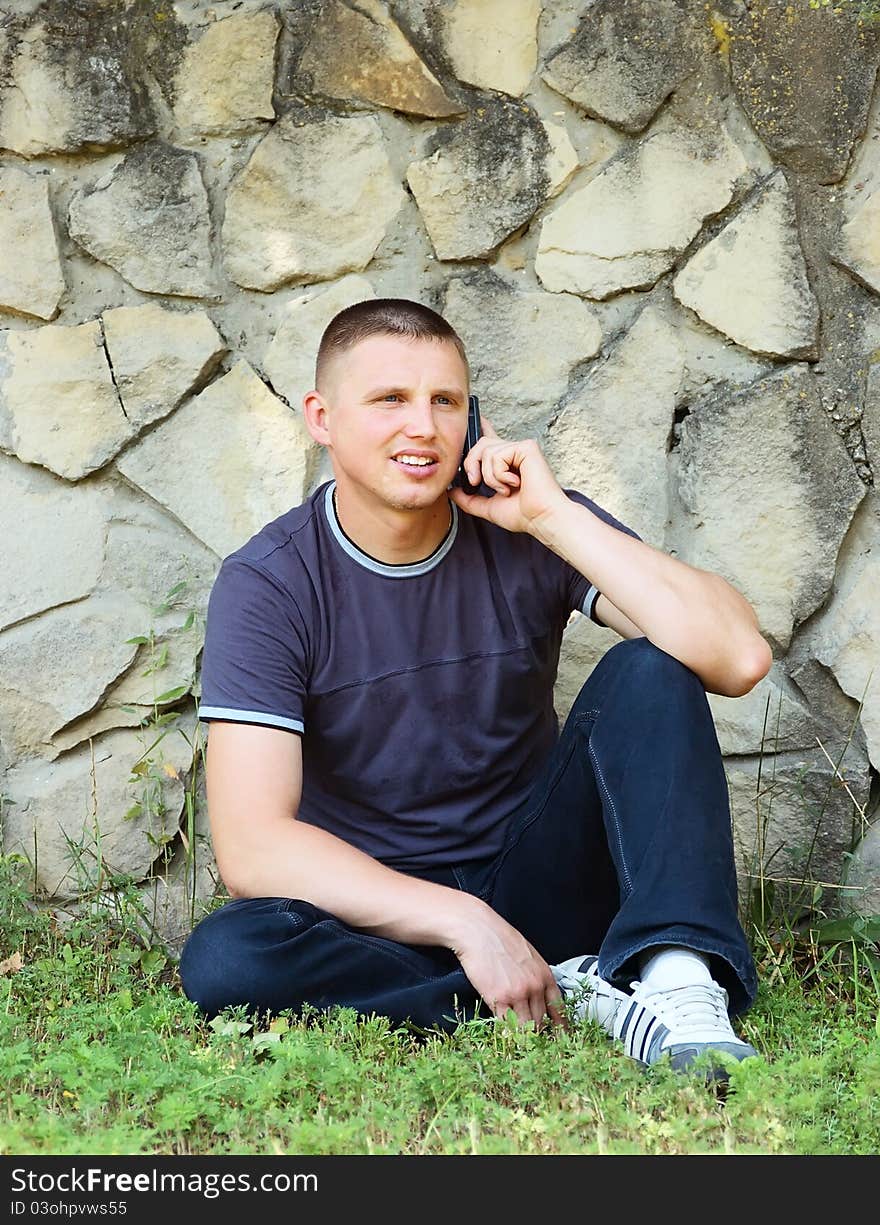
(397,357)
(408,347)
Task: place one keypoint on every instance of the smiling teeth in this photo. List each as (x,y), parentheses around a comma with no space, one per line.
(411,459)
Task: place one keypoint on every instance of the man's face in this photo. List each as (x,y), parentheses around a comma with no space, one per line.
(390,398)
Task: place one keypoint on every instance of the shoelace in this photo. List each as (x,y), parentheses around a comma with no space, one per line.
(699,1008)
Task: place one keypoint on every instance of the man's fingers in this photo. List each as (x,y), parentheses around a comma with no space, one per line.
(487,427)
(486,462)
(555,1009)
(470,503)
(539,1009)
(494,469)
(501,473)
(523,1011)
(520,1009)
(530,1008)
(479,464)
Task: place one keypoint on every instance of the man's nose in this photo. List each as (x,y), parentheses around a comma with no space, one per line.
(420,419)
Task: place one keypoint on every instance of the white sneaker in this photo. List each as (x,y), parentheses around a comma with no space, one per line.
(682,1023)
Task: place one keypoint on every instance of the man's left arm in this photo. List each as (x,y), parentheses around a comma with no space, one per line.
(693,615)
(696,616)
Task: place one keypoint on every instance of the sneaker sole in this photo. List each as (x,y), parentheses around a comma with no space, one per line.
(682,1057)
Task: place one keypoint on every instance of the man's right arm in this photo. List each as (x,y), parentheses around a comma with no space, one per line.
(254,785)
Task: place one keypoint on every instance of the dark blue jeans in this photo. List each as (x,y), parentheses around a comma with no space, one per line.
(623,842)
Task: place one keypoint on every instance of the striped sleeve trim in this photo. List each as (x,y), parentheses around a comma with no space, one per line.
(250,716)
(588,607)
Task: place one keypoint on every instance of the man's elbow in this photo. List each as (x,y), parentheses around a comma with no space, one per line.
(249,859)
(243,881)
(232,883)
(233,866)
(760,661)
(233,888)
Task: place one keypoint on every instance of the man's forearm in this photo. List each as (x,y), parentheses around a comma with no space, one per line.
(302,861)
(695,616)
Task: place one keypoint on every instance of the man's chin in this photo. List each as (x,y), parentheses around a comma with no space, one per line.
(419,495)
(416,499)
(394,493)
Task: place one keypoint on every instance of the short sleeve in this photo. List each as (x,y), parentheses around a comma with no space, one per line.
(254,663)
(581,593)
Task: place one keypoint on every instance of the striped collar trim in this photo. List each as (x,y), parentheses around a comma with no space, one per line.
(410,569)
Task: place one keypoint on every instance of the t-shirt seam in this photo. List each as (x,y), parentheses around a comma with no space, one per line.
(273,579)
(433,663)
(284,590)
(313,512)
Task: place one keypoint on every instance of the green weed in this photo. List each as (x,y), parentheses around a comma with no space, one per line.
(806,924)
(100,1052)
(867,11)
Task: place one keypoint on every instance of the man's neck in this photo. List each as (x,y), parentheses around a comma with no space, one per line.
(392,536)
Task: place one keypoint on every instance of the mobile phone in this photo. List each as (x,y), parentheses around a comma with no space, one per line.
(474,431)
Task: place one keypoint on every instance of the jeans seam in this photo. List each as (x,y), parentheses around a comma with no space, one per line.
(627,879)
(487,892)
(489,889)
(369,941)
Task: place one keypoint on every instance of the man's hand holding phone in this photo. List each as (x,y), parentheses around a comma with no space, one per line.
(518,473)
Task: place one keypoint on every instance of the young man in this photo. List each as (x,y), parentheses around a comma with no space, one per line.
(400,824)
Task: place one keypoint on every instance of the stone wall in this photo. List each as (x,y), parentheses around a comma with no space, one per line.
(655,224)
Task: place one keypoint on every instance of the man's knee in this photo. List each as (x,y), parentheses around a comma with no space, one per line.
(638,665)
(644,657)
(202,967)
(223,954)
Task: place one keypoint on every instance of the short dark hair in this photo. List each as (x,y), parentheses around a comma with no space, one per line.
(382,317)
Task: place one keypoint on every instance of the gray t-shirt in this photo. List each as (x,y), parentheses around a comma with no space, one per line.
(423,692)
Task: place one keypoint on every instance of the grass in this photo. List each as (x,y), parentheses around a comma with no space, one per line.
(101,1054)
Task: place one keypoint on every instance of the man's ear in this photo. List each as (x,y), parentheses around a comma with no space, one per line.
(315,413)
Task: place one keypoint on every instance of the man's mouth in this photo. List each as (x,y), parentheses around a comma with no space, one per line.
(416,464)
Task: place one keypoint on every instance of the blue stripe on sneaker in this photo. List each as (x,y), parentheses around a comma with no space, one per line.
(645,1037)
(587,964)
(633,1009)
(640,1033)
(654,1049)
(628,1037)
(657,1031)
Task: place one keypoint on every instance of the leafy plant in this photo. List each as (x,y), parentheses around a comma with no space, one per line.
(151,771)
(867,11)
(802,921)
